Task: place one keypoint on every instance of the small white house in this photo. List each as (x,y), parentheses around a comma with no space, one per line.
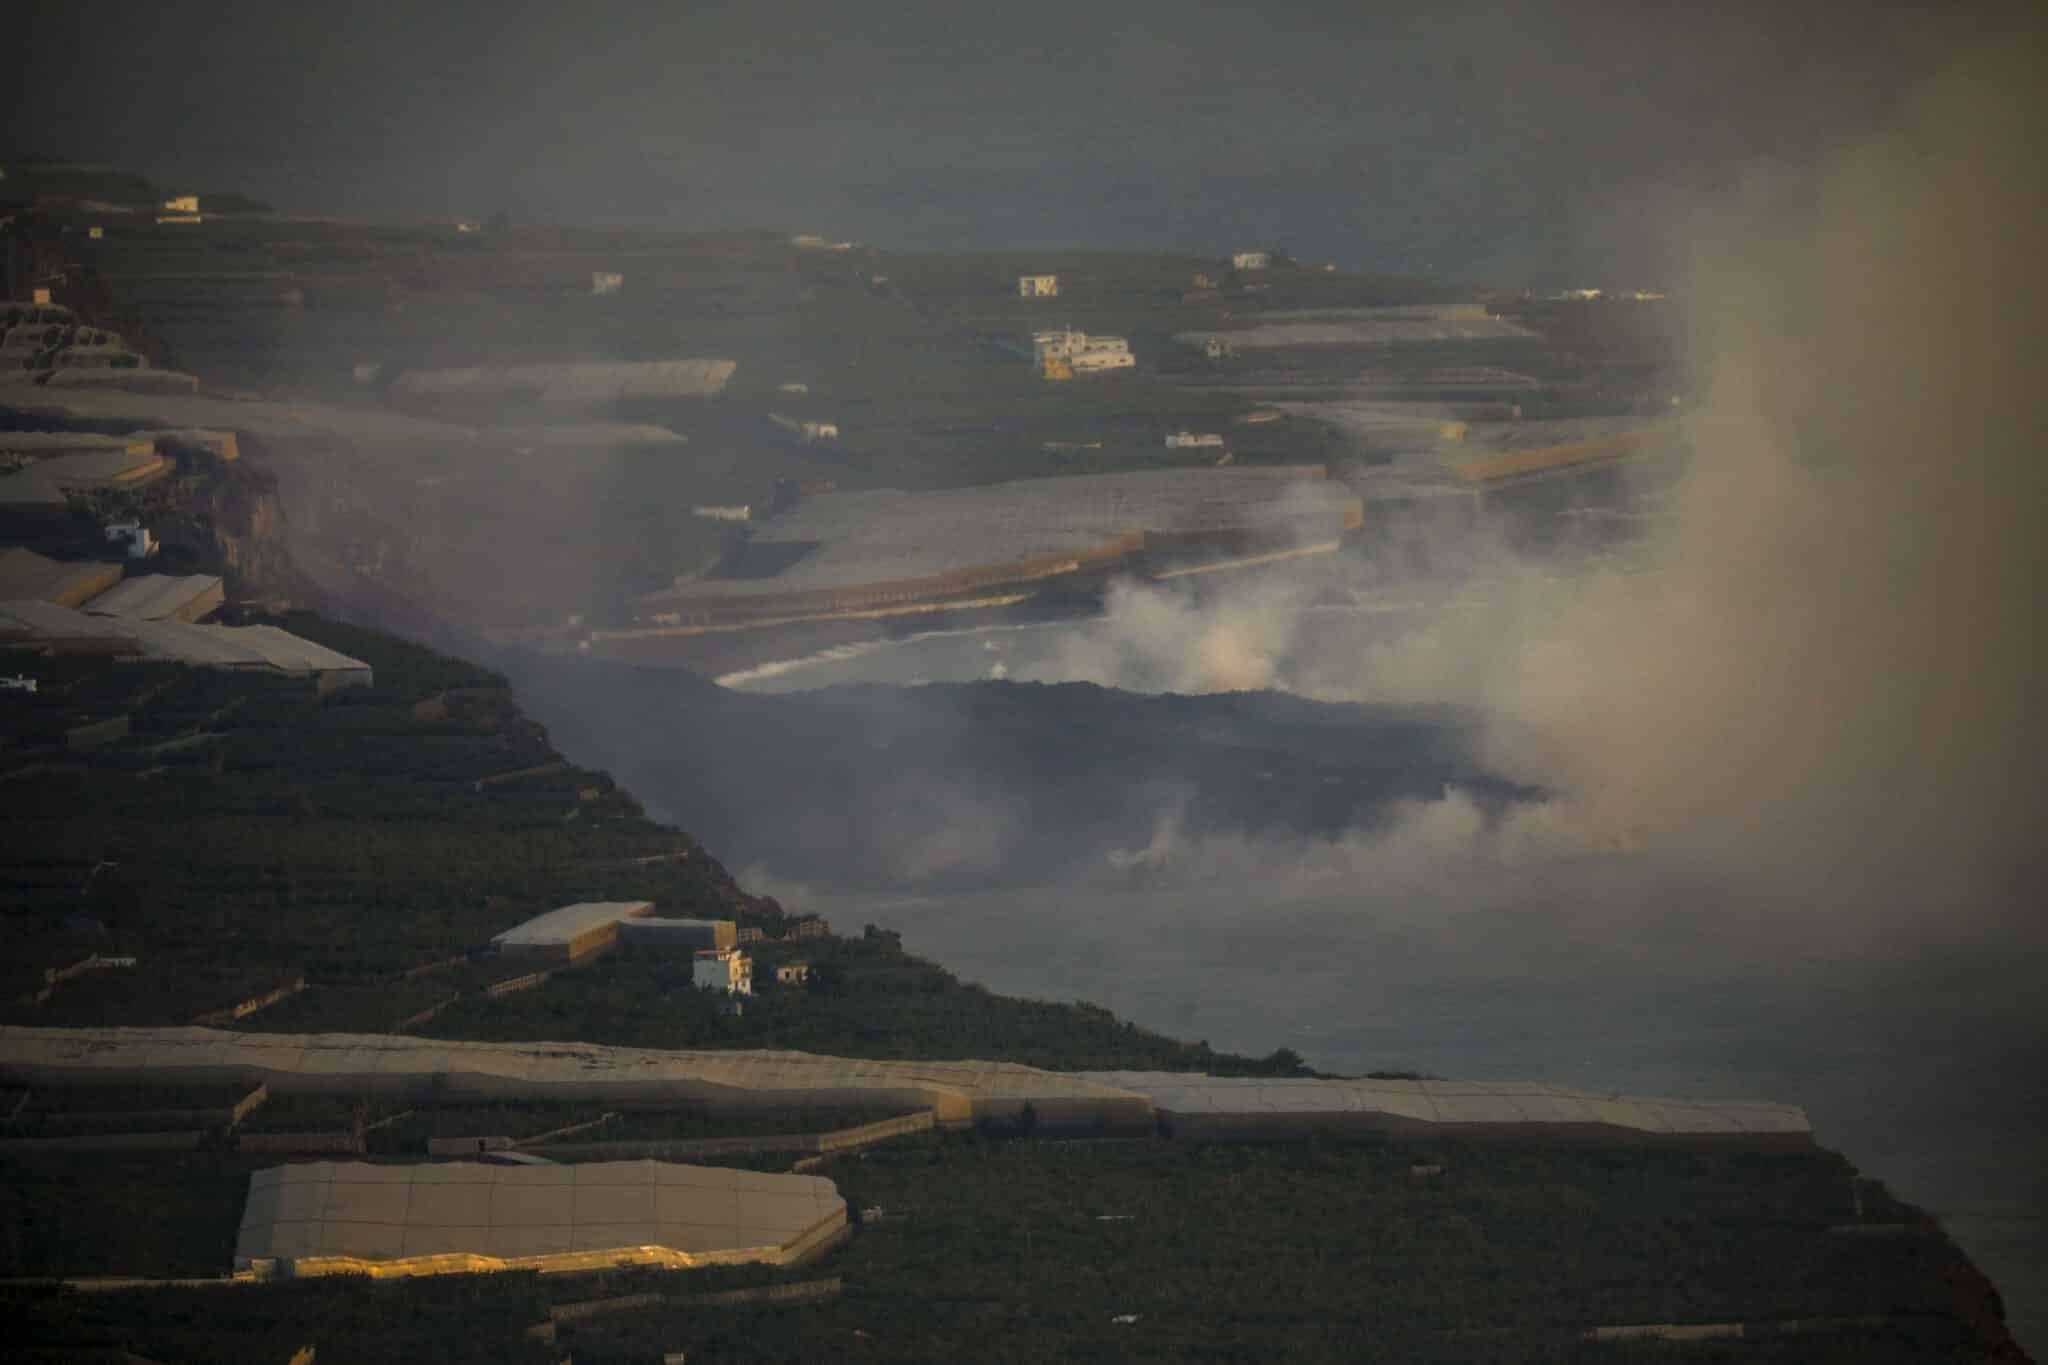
(1038,286)
(134,536)
(1250,260)
(1186,440)
(806,431)
(724,969)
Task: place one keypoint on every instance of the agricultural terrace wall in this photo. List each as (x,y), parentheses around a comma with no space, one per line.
(107,1142)
(331,1141)
(815,1144)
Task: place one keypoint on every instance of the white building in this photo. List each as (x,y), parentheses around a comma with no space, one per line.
(606,282)
(570,932)
(1081,352)
(1038,286)
(724,969)
(133,535)
(1250,260)
(1185,440)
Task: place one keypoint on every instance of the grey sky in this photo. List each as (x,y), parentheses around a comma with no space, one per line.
(1516,141)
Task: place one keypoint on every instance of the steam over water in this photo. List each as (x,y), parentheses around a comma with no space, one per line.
(1789,733)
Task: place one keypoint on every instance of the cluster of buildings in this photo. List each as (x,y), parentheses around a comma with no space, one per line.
(41,337)
(574,933)
(1063,353)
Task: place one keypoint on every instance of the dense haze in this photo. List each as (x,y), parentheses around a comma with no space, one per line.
(1526,143)
(1819,673)
(1750,798)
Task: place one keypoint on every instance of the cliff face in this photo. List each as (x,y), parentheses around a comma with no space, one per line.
(240,517)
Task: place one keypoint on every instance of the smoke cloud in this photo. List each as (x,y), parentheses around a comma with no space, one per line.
(1819,673)
(1827,676)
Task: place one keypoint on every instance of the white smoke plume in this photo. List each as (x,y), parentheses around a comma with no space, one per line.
(1823,675)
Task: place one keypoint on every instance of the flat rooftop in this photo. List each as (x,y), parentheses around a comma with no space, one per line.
(957,1090)
(527,1216)
(842,540)
(562,926)
(1410,325)
(581,383)
(159,597)
(26,575)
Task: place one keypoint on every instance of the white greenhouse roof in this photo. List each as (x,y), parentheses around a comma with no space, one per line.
(1450,1103)
(564,925)
(392,1213)
(103,467)
(157,597)
(582,383)
(240,647)
(957,1090)
(264,647)
(50,443)
(886,535)
(34,619)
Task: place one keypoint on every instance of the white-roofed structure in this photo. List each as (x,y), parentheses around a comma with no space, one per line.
(956,1092)
(879,549)
(1253,1104)
(32,491)
(570,932)
(324,1217)
(46,625)
(580,383)
(555,436)
(264,648)
(161,597)
(26,575)
(1412,325)
(260,648)
(44,444)
(105,467)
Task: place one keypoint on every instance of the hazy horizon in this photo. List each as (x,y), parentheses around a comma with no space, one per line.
(1545,145)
